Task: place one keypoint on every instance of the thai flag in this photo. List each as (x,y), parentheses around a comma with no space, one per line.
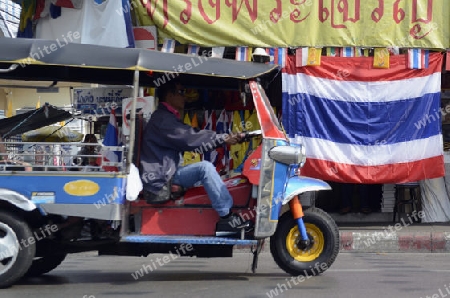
(418,58)
(242,54)
(193,49)
(111,139)
(279,56)
(348,52)
(368,126)
(168,45)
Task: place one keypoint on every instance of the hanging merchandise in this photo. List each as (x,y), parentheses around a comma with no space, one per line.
(209,123)
(418,58)
(93,23)
(254,125)
(168,45)
(237,151)
(381,58)
(277,56)
(191,157)
(307,56)
(222,150)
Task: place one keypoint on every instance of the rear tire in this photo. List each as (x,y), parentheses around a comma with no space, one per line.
(16,251)
(319,256)
(42,265)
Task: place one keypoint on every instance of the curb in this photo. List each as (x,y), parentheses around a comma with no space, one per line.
(382,241)
(379,241)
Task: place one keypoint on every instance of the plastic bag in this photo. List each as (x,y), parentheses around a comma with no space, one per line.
(134,183)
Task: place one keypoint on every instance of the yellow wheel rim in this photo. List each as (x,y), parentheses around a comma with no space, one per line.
(310,253)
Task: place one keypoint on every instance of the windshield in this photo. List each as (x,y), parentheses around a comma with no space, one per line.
(270,126)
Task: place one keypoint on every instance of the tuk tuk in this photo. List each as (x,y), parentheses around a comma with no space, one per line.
(50,211)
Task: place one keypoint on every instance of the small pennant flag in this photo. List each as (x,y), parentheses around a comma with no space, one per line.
(168,45)
(418,58)
(277,56)
(38,104)
(359,52)
(333,52)
(347,52)
(394,50)
(193,49)
(307,56)
(381,58)
(243,54)
(217,52)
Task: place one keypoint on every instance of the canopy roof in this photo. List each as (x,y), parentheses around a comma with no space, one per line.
(50,60)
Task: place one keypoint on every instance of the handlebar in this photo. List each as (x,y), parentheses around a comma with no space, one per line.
(246,136)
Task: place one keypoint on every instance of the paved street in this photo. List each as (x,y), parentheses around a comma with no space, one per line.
(352,275)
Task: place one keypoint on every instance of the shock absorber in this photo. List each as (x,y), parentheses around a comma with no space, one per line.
(297,214)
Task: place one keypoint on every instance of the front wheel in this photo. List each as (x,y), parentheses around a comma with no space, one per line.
(316,257)
(17,248)
(45,264)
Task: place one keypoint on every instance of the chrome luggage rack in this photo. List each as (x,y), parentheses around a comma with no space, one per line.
(47,156)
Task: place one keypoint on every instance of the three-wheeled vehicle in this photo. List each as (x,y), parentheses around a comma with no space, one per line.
(47,212)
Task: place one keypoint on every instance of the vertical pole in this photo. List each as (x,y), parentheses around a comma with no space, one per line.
(133,120)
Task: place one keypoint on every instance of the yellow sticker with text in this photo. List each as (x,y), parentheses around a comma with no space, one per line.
(81,188)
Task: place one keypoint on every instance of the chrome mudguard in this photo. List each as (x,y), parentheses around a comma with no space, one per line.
(299,184)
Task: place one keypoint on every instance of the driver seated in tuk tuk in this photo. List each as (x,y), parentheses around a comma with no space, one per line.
(165,138)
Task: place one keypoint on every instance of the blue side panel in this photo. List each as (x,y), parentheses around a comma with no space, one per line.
(279,180)
(67,189)
(187,240)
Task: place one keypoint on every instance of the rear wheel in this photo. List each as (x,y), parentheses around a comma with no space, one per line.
(42,265)
(296,258)
(17,250)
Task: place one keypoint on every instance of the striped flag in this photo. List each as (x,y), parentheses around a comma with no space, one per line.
(333,52)
(278,56)
(347,52)
(418,58)
(168,45)
(373,136)
(308,56)
(243,54)
(193,49)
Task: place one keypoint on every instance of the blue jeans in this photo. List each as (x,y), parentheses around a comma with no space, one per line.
(205,172)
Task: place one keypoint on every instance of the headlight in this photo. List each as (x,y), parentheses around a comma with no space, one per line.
(289,154)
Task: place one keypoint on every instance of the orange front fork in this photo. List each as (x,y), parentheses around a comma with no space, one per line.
(297,214)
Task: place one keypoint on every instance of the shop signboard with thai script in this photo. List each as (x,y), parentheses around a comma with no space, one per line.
(100,101)
(283,23)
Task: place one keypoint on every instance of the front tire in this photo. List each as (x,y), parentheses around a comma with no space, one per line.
(45,264)
(318,256)
(16,249)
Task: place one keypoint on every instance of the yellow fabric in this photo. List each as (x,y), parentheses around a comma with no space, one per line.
(187,120)
(38,104)
(27,13)
(381,58)
(141,13)
(236,150)
(9,111)
(314,55)
(253,120)
(282,24)
(191,157)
